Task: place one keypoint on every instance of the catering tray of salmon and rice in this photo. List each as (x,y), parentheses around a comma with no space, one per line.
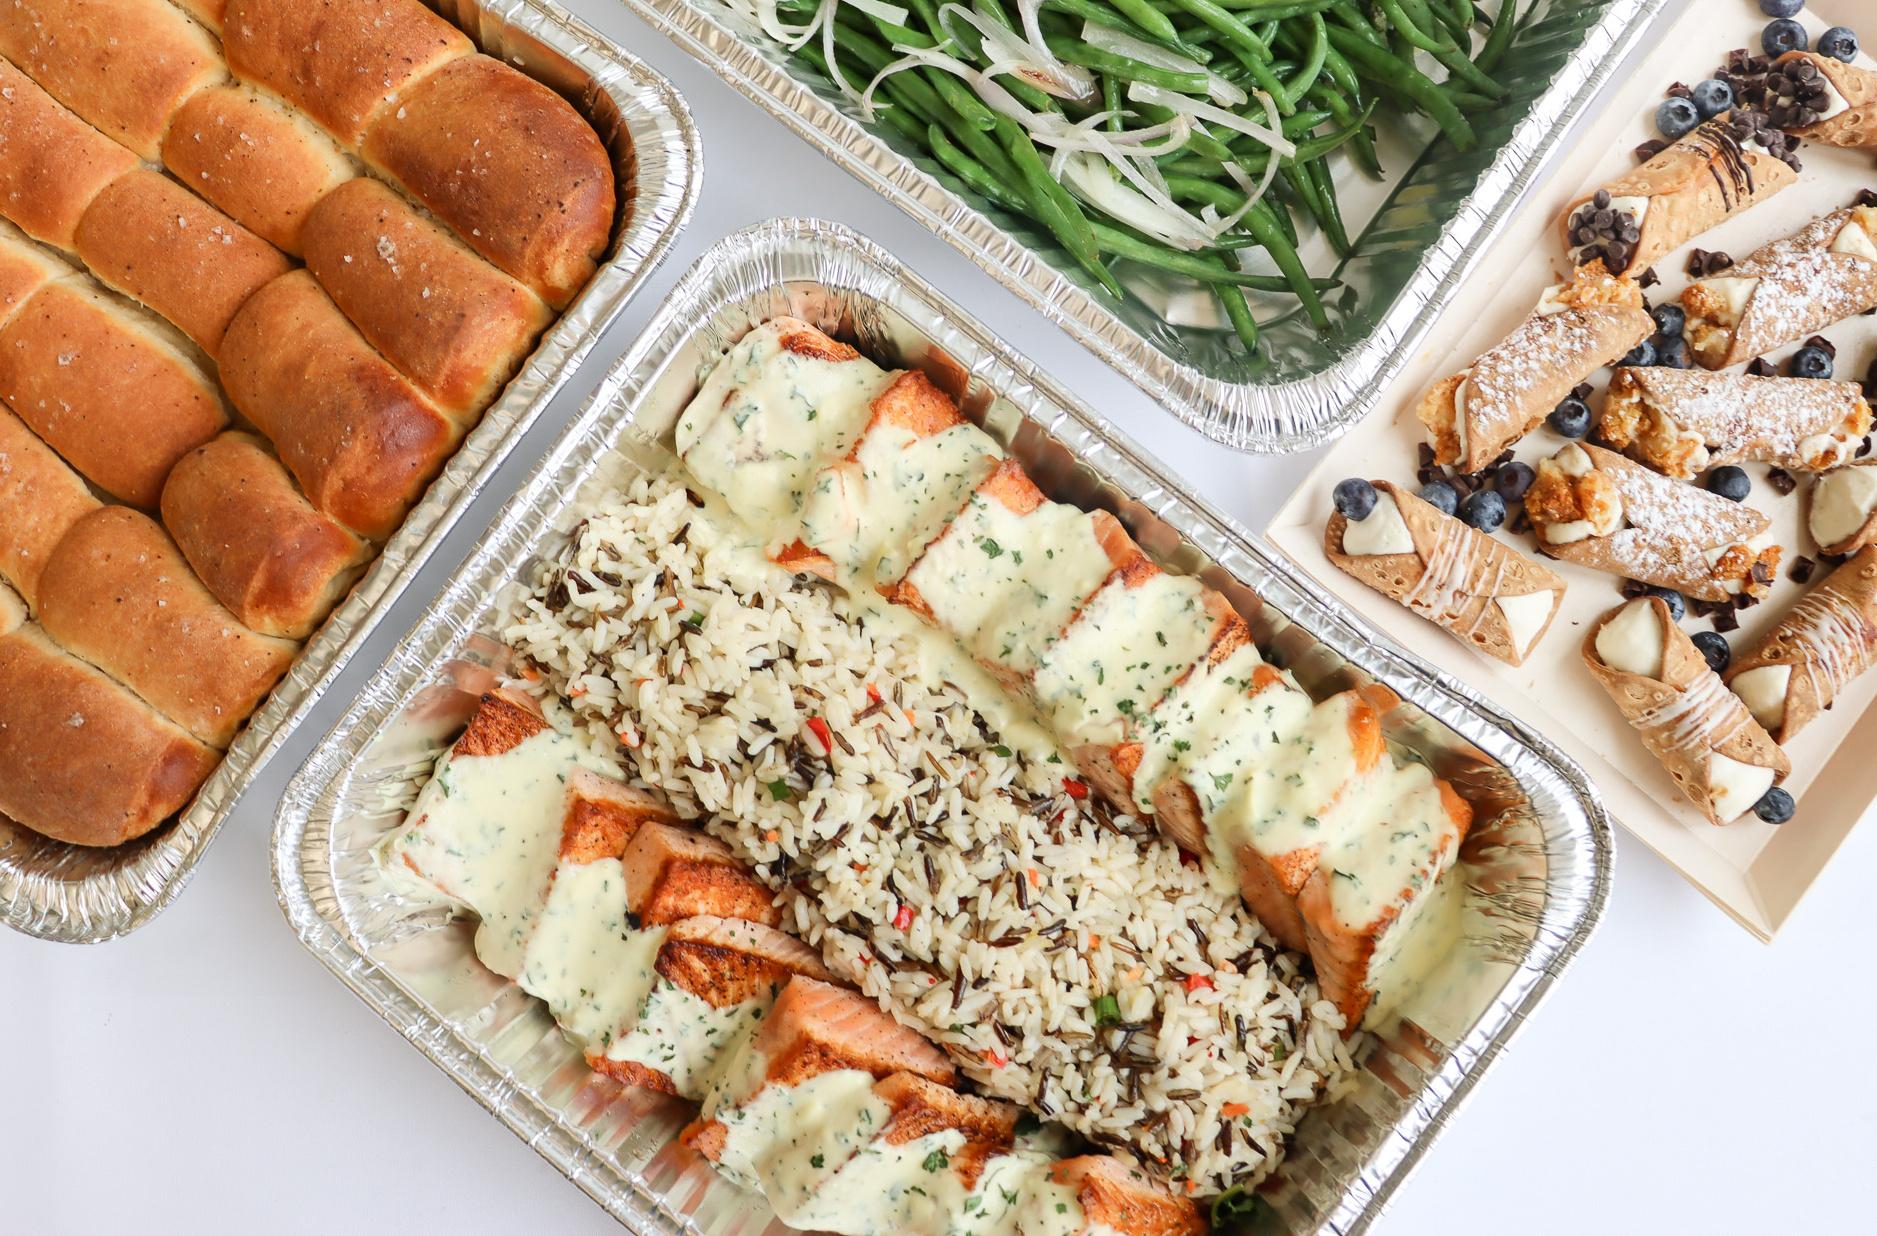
(281,282)
(849,789)
(1254,208)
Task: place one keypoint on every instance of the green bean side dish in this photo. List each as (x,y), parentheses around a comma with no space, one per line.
(1172,134)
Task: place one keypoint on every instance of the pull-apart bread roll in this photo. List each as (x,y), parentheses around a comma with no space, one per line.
(1843,514)
(123,65)
(361,440)
(1577,329)
(1815,652)
(1697,183)
(1719,757)
(456,325)
(1603,511)
(24,268)
(1823,99)
(339,61)
(118,593)
(113,390)
(1779,294)
(40,500)
(208,12)
(275,562)
(1682,422)
(152,239)
(81,759)
(507,163)
(51,163)
(1482,592)
(263,163)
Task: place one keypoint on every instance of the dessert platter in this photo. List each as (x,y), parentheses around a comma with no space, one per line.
(276,292)
(1640,512)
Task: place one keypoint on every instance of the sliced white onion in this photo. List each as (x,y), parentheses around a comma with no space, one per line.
(1096,185)
(771,21)
(1273,136)
(892,14)
(824,14)
(1029,13)
(1108,39)
(1029,58)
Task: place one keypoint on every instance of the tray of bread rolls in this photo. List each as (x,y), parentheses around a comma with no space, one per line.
(281,284)
(412,854)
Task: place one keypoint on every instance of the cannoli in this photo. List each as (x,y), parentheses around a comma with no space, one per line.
(1684,421)
(1697,183)
(1483,592)
(1823,100)
(1843,514)
(1577,329)
(1597,509)
(1782,292)
(1830,637)
(1719,758)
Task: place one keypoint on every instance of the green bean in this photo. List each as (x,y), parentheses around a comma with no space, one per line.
(1125,243)
(1105,15)
(1299,85)
(1304,123)
(1198,141)
(1074,51)
(1445,52)
(1499,38)
(1411,81)
(1055,208)
(1229,28)
(1112,103)
(1318,173)
(1143,14)
(975,175)
(1239,313)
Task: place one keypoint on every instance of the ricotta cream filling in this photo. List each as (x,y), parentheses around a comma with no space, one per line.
(1526,616)
(1842,502)
(1763,691)
(1383,532)
(1633,642)
(1733,787)
(1855,240)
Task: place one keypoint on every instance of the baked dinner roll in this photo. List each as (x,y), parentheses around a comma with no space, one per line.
(40,499)
(263,163)
(454,324)
(51,163)
(275,562)
(339,61)
(152,239)
(25,267)
(208,12)
(82,759)
(361,440)
(109,387)
(510,165)
(118,593)
(123,65)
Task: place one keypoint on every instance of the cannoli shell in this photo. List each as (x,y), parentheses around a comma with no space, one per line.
(1742,418)
(1453,576)
(1685,715)
(1804,287)
(1513,387)
(1828,638)
(1856,127)
(1657,547)
(1866,533)
(1695,184)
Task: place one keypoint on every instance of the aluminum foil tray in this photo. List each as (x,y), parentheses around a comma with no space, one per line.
(79,895)
(1425,235)
(1537,868)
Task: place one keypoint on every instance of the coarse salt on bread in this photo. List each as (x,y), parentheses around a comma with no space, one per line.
(52,164)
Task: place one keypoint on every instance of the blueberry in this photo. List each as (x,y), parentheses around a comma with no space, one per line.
(1355,499)
(1484,509)
(1839,42)
(1811,362)
(1775,806)
(1781,8)
(1676,117)
(1782,36)
(1513,479)
(1711,97)
(1571,419)
(1441,496)
(1641,356)
(1677,608)
(1713,646)
(1669,319)
(1730,483)
(1672,353)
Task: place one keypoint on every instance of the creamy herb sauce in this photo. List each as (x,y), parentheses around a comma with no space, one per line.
(1016,1197)
(887,1189)
(787,1140)
(685,1037)
(1305,792)
(1376,868)
(1120,655)
(585,959)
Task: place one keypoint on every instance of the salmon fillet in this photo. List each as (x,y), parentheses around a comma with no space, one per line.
(922,1107)
(503,720)
(1176,804)
(1117,1197)
(674,873)
(602,815)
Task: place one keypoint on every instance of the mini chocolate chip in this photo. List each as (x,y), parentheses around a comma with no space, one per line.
(1679,91)
(1649,150)
(1762,573)
(1863,448)
(1866,197)
(1760,367)
(1802,568)
(1823,344)
(1725,621)
(1426,454)
(1648,278)
(1632,588)
(1601,199)
(1781,480)
(1582,389)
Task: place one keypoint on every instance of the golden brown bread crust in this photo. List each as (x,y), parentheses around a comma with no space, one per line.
(361,440)
(107,387)
(40,499)
(262,163)
(118,593)
(153,240)
(507,163)
(454,324)
(123,65)
(339,61)
(24,268)
(275,562)
(208,12)
(81,759)
(51,163)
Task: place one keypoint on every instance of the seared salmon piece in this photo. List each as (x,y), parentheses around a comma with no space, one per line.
(503,718)
(922,1107)
(674,873)
(1118,1198)
(1366,893)
(714,979)
(603,814)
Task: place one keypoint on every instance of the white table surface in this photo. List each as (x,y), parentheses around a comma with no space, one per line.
(208,1076)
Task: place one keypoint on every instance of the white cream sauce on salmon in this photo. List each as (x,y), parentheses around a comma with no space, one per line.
(1119,656)
(585,959)
(684,1037)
